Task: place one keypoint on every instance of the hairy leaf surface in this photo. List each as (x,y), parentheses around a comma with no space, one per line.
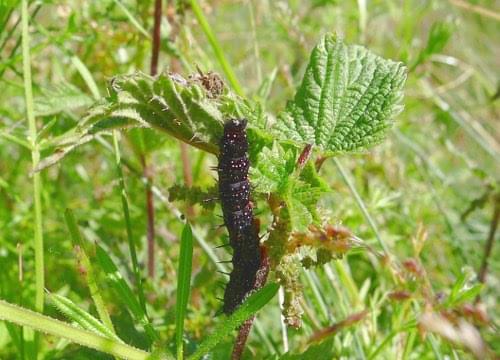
(346,101)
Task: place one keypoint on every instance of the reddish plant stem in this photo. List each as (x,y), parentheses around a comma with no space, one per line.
(304,156)
(335,328)
(319,162)
(244,330)
(155,54)
(491,237)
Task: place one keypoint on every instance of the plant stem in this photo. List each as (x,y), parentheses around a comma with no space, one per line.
(363,16)
(476,9)
(18,41)
(255,43)
(150,208)
(491,238)
(151,219)
(187,173)
(128,224)
(30,319)
(35,157)
(244,330)
(361,205)
(284,331)
(132,19)
(216,47)
(95,292)
(156,38)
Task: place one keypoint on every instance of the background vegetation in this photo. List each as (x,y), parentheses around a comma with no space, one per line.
(428,194)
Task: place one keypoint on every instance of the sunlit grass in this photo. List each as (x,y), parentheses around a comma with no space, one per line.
(425,197)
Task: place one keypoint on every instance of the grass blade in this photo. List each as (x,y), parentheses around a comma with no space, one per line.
(81,317)
(361,205)
(35,321)
(128,223)
(90,274)
(124,293)
(183,286)
(216,47)
(87,76)
(132,19)
(253,304)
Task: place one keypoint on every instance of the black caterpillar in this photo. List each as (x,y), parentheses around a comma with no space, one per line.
(234,190)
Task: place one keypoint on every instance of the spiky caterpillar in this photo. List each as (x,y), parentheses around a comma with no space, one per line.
(234,191)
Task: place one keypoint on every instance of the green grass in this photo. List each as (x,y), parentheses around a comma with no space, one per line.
(426,194)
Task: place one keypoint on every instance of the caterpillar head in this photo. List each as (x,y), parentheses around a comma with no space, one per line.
(234,141)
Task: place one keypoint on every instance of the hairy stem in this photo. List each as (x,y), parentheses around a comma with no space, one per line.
(244,330)
(35,156)
(47,325)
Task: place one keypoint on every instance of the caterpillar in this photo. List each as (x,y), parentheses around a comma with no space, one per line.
(234,192)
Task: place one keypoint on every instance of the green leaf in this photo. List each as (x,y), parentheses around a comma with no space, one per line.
(276,172)
(468,294)
(123,292)
(439,35)
(181,108)
(168,103)
(81,317)
(253,304)
(272,169)
(346,101)
(302,200)
(145,141)
(183,286)
(462,290)
(61,97)
(323,350)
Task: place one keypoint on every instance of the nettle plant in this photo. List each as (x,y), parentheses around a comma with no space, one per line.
(346,103)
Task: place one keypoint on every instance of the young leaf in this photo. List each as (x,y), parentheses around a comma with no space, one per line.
(439,35)
(346,101)
(275,172)
(61,97)
(272,169)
